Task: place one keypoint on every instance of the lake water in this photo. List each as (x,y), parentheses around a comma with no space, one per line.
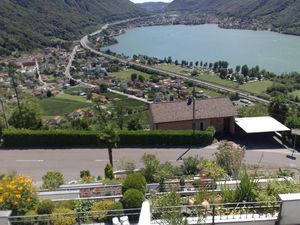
(209,43)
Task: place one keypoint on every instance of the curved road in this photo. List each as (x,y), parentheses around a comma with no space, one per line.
(85,43)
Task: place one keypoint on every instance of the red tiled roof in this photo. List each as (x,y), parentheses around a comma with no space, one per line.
(180,111)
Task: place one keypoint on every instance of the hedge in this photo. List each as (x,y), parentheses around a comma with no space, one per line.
(74,138)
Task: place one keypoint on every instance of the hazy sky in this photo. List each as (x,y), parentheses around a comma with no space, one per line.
(140,1)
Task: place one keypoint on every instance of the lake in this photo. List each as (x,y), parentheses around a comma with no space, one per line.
(208,43)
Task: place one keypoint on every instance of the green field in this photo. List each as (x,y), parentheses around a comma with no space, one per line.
(125,75)
(72,98)
(61,106)
(173,68)
(258,87)
(217,80)
(124,101)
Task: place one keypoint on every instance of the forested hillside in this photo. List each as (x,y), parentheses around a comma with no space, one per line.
(280,13)
(27,24)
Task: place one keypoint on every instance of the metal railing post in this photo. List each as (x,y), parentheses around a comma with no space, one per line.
(214,214)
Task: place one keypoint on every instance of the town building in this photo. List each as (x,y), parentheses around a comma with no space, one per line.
(178,115)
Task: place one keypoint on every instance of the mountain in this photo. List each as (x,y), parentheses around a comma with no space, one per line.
(153,6)
(29,24)
(284,14)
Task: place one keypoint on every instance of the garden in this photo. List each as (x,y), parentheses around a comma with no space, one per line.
(195,189)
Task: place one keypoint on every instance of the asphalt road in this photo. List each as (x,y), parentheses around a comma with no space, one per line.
(35,163)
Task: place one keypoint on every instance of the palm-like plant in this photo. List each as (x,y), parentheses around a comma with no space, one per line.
(110,137)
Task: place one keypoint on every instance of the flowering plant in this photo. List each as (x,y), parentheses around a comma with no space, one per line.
(17,194)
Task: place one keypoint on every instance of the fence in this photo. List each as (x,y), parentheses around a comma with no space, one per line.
(215,213)
(179,215)
(109,217)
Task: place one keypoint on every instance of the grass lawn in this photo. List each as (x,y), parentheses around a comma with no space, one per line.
(75,89)
(124,101)
(173,68)
(72,98)
(61,106)
(296,93)
(125,75)
(257,87)
(209,92)
(217,80)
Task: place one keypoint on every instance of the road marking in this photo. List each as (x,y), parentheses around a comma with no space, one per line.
(105,160)
(29,160)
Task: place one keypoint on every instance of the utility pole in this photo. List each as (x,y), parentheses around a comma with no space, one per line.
(194,110)
(192,100)
(4,114)
(11,74)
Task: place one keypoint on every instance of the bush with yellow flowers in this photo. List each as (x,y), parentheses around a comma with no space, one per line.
(17,194)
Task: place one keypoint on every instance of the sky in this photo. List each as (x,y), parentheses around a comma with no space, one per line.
(140,1)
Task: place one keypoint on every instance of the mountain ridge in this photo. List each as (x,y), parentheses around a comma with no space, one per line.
(29,24)
(283,14)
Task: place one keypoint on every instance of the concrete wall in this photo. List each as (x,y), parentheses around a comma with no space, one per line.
(59,195)
(289,209)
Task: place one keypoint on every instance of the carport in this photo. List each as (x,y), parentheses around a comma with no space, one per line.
(263,124)
(259,132)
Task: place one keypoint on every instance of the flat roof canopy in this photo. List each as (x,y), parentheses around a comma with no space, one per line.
(261,124)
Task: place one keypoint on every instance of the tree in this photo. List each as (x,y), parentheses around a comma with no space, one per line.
(141,78)
(278,109)
(245,70)
(119,114)
(134,124)
(223,73)
(257,109)
(237,68)
(26,116)
(230,156)
(110,137)
(49,94)
(133,76)
(194,73)
(197,63)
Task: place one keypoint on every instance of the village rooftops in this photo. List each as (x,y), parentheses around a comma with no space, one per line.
(180,111)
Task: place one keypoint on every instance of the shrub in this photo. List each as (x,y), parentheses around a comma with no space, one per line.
(109,172)
(45,207)
(85,173)
(31,218)
(151,165)
(190,165)
(52,180)
(230,156)
(80,138)
(63,216)
(17,194)
(69,204)
(100,210)
(134,181)
(133,199)
(163,208)
(84,207)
